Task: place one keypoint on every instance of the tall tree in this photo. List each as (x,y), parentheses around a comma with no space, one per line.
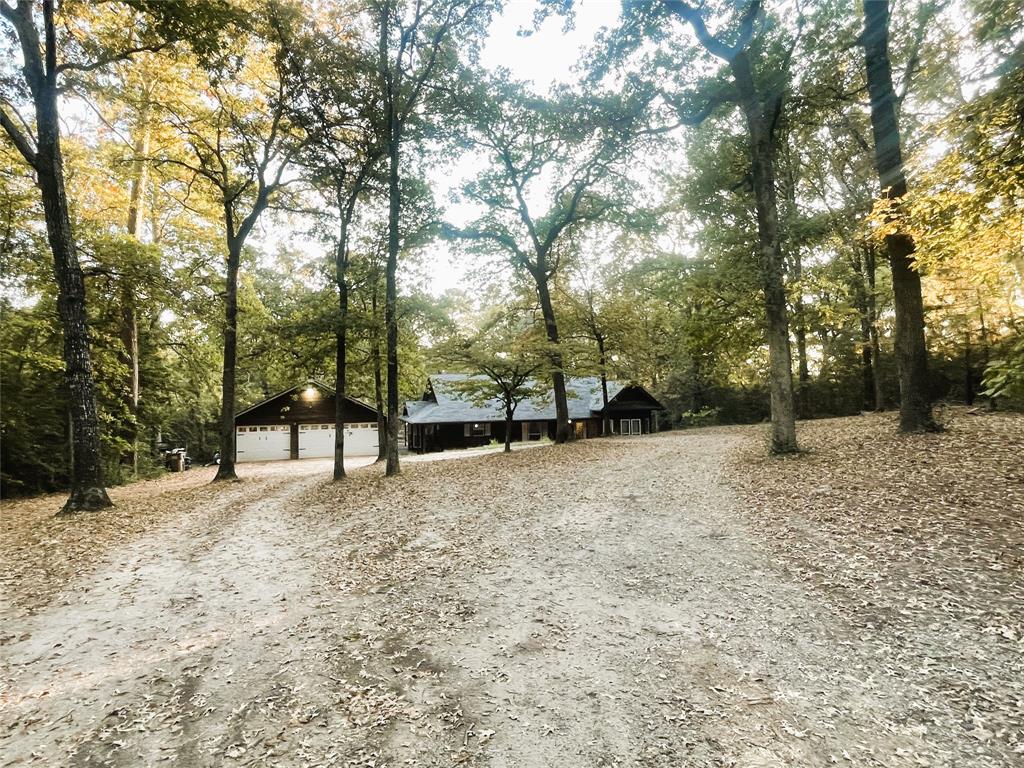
(414,42)
(241,141)
(911,352)
(503,357)
(569,149)
(338,111)
(597,313)
(761,106)
(41,148)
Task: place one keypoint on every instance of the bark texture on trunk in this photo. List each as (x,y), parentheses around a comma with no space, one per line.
(509,414)
(226,469)
(88,492)
(910,349)
(557,362)
(378,384)
(606,422)
(876,346)
(340,365)
(391,298)
(129,313)
(762,158)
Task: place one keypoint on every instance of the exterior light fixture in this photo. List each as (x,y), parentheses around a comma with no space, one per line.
(310,392)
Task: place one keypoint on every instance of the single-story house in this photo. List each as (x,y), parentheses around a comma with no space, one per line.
(299,424)
(445,418)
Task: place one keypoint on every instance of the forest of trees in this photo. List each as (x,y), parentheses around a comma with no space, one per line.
(759,210)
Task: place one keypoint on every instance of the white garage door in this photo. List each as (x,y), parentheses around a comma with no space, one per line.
(317,440)
(267,443)
(361,439)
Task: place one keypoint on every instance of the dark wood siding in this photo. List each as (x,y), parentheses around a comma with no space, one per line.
(298,407)
(633,399)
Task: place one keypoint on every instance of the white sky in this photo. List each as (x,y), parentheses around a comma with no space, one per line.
(547,55)
(545,58)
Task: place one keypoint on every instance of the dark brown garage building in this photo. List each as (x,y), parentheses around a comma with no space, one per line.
(298,423)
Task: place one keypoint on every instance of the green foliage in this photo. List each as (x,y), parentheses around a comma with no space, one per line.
(1004,377)
(34,418)
(504,356)
(702,418)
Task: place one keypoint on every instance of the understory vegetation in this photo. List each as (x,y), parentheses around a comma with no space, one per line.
(734,204)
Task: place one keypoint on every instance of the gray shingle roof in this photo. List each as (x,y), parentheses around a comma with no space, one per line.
(584,400)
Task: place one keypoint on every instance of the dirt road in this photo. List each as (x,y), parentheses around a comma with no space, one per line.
(599,604)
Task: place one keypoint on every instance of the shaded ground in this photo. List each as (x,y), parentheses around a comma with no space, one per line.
(665,601)
(919,544)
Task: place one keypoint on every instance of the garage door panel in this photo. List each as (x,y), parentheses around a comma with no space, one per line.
(317,440)
(270,442)
(360,439)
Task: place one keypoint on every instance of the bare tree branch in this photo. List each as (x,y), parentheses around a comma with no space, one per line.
(715,46)
(20,140)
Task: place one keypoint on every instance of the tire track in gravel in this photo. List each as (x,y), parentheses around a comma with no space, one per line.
(621,614)
(124,666)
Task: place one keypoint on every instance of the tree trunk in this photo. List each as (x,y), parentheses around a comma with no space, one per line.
(876,347)
(911,352)
(860,301)
(378,382)
(509,414)
(762,150)
(803,370)
(129,318)
(87,488)
(606,423)
(390,294)
(226,470)
(340,362)
(557,371)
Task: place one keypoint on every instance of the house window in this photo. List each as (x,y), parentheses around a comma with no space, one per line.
(535,430)
(481,429)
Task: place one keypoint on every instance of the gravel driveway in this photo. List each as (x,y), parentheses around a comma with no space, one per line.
(604,603)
